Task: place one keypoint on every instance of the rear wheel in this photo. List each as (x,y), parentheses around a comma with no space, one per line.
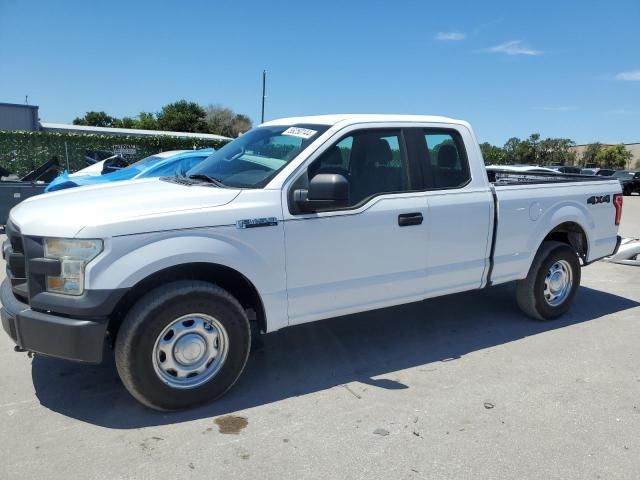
(182,344)
(552,282)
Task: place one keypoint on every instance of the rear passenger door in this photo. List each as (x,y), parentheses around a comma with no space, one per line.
(460,210)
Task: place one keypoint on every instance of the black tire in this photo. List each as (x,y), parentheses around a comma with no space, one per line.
(134,349)
(530,291)
(626,192)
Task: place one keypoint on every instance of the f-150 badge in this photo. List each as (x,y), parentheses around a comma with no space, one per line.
(257,222)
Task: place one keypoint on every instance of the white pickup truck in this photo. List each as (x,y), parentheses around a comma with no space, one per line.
(298,220)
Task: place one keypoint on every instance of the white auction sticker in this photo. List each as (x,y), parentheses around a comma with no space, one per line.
(305,133)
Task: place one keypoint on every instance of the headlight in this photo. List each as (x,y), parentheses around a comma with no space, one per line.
(74,255)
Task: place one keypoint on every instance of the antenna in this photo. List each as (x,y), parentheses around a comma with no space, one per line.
(26,99)
(264,93)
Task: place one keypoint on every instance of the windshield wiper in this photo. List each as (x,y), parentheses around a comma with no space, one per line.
(207,178)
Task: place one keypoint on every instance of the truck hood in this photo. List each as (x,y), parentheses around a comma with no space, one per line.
(67,212)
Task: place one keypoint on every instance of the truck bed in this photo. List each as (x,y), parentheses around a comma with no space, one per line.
(528,206)
(509,177)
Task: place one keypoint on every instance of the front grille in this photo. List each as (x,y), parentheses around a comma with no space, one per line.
(16,263)
(15,240)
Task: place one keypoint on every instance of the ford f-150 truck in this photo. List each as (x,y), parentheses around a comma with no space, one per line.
(298,220)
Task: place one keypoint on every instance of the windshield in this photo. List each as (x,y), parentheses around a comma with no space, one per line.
(146,162)
(253,159)
(623,174)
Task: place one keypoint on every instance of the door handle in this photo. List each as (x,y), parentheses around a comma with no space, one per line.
(407,219)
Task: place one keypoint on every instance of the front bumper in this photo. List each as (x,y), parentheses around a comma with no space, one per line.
(50,334)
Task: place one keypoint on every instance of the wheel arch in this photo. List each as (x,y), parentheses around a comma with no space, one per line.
(566,221)
(572,234)
(227,278)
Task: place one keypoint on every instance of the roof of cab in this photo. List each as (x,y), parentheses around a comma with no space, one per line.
(361,118)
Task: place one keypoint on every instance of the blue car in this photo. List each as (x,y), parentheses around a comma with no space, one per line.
(158,165)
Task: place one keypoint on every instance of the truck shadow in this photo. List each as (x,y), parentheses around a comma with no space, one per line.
(317,356)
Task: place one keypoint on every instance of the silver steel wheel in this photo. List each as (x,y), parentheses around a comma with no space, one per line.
(190,351)
(558,283)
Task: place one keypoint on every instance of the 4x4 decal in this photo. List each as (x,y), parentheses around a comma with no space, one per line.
(594,200)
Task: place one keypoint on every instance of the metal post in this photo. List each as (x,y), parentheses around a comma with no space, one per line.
(66,155)
(264,90)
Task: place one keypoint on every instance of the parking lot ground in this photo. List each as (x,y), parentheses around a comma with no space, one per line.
(630,226)
(459,387)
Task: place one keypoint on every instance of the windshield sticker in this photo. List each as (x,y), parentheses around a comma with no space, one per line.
(305,133)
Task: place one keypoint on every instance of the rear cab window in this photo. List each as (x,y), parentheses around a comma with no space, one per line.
(441,156)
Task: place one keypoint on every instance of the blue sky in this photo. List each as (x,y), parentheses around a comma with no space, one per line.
(560,68)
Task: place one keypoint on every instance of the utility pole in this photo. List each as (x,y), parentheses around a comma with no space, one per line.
(264,92)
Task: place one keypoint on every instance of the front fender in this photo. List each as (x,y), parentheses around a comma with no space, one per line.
(258,254)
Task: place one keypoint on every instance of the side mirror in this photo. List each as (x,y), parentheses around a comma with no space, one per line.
(326,190)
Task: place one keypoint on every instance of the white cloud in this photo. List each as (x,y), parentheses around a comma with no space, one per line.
(514,47)
(450,36)
(557,109)
(620,111)
(631,76)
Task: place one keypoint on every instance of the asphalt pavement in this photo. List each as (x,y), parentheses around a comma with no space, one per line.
(459,387)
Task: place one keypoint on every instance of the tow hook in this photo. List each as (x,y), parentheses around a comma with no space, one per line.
(21,350)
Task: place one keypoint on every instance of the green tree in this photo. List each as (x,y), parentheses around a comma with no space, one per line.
(224,121)
(556,151)
(492,155)
(241,124)
(95,119)
(125,122)
(182,116)
(533,140)
(591,151)
(518,151)
(534,151)
(615,156)
(146,121)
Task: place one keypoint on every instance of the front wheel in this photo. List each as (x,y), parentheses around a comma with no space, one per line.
(552,282)
(182,344)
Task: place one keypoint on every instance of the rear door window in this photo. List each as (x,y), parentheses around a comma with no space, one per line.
(442,157)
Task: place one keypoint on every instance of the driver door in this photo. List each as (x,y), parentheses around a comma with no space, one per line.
(369,254)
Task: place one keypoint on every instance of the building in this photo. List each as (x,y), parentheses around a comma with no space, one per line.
(14,116)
